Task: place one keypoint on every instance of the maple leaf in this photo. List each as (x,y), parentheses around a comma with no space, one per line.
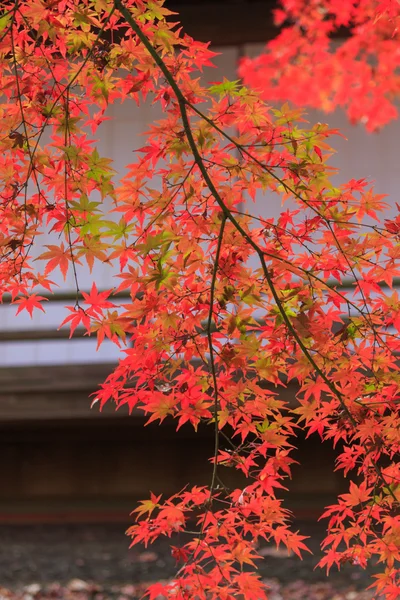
(96,120)
(173,515)
(111,326)
(244,554)
(147,506)
(294,543)
(156,591)
(357,495)
(161,405)
(180,554)
(29,303)
(153,152)
(57,256)
(250,586)
(97,301)
(92,249)
(332,557)
(77,316)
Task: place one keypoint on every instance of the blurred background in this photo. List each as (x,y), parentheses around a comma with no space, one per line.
(69,475)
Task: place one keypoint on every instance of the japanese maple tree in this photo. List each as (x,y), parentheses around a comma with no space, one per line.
(333,53)
(222,301)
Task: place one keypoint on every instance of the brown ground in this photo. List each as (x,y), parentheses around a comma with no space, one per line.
(93,562)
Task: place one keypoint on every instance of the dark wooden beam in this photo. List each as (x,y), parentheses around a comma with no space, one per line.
(35,335)
(53,379)
(62,393)
(230,22)
(226,23)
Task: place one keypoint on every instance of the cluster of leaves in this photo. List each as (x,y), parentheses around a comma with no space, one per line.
(333,53)
(223,302)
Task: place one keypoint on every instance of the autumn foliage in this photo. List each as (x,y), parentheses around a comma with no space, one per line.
(333,53)
(224,304)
